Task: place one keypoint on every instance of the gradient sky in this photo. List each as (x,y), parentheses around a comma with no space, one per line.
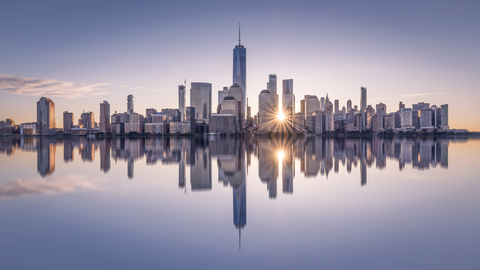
(80,53)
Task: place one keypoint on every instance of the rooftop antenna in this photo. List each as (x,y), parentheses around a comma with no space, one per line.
(239,34)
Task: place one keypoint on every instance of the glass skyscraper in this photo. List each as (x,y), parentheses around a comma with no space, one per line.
(240,67)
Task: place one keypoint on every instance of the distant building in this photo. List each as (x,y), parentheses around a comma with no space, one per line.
(130,109)
(201,100)
(135,124)
(28,128)
(148,114)
(223,123)
(406,118)
(181,102)
(444,116)
(67,122)
(349,106)
(425,118)
(105,117)
(381,108)
(45,116)
(88,120)
(222,94)
(317,122)
(363,106)
(312,105)
(267,111)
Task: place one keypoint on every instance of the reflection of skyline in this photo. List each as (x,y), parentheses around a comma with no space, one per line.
(316,155)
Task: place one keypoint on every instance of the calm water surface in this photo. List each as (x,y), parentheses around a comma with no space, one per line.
(236,203)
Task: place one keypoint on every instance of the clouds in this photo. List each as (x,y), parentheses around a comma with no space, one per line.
(41,186)
(48,87)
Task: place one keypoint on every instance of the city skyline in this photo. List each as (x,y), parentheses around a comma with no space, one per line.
(410,58)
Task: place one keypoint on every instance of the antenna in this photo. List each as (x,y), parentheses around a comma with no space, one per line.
(238,33)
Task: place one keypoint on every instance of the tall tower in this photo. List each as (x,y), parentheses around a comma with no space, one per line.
(201,100)
(45,115)
(105,117)
(363,106)
(181,102)
(240,67)
(130,104)
(272,87)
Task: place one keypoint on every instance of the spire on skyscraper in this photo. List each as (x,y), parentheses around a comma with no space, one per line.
(238,33)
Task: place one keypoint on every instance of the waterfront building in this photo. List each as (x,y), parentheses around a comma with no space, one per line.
(425,118)
(201,100)
(363,106)
(87,120)
(45,116)
(444,116)
(67,122)
(223,123)
(240,68)
(272,87)
(406,118)
(267,111)
(349,105)
(181,101)
(105,117)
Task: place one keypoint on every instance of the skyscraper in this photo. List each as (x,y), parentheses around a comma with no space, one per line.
(45,116)
(67,122)
(240,67)
(130,104)
(181,102)
(272,88)
(105,117)
(363,106)
(288,99)
(444,116)
(201,100)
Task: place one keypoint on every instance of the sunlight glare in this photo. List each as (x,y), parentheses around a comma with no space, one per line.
(281,116)
(280,154)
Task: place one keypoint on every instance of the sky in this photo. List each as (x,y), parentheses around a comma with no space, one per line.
(80,53)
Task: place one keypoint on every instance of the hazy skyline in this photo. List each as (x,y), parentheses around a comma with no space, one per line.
(86,52)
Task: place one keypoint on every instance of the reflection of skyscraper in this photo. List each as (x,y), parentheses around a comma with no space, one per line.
(287,169)
(46,150)
(67,151)
(201,171)
(105,155)
(268,166)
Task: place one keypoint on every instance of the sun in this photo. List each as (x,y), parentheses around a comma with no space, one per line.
(280,154)
(281,116)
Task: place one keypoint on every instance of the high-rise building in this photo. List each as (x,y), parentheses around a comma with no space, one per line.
(130,104)
(181,102)
(67,122)
(444,116)
(201,100)
(312,105)
(236,92)
(363,106)
(349,105)
(266,111)
(87,120)
(222,94)
(322,104)
(337,106)
(240,67)
(288,100)
(381,108)
(406,118)
(272,88)
(105,117)
(45,116)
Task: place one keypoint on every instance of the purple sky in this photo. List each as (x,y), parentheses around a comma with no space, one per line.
(80,54)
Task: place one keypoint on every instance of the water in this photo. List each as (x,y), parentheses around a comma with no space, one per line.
(236,203)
